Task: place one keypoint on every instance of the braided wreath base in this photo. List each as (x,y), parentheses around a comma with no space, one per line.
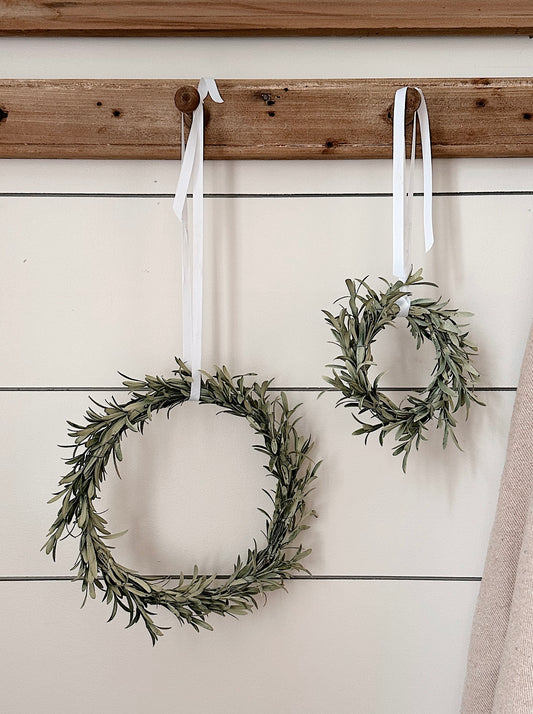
(191,600)
(355,329)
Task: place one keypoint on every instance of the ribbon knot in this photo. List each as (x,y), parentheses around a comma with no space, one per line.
(192,175)
(401,220)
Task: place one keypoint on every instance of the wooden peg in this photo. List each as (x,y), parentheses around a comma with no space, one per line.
(187,99)
(412,102)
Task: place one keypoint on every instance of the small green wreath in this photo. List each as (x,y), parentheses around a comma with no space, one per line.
(355,329)
(190,600)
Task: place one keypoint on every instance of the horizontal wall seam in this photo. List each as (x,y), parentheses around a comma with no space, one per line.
(365,194)
(118,388)
(425,578)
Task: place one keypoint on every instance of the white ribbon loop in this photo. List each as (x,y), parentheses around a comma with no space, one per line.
(401,212)
(192,174)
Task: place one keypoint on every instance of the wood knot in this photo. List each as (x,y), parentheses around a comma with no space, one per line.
(268,99)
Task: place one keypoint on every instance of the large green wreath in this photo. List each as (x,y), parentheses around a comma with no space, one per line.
(355,329)
(190,599)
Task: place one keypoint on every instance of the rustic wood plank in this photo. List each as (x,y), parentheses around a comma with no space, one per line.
(260,119)
(273,17)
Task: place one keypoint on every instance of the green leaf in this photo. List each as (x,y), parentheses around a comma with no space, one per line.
(98,447)
(111,536)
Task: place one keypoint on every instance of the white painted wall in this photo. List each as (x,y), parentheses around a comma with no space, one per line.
(91,285)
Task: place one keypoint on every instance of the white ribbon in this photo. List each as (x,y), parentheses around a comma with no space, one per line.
(192,174)
(401,214)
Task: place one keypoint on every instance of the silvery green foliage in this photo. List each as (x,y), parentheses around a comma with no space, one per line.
(356,328)
(191,600)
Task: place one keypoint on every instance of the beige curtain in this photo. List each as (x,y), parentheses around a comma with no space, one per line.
(499,678)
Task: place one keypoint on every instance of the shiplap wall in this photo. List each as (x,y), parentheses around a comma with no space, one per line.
(90,276)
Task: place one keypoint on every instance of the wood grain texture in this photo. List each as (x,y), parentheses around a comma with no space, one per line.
(275,17)
(260,119)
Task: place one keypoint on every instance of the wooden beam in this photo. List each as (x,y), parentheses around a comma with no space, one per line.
(272,17)
(260,119)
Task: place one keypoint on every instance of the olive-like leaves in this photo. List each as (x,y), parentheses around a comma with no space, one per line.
(451,388)
(191,599)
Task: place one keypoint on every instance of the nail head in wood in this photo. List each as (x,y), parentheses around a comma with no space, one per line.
(187,99)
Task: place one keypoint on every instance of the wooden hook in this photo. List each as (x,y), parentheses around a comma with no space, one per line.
(412,102)
(187,99)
